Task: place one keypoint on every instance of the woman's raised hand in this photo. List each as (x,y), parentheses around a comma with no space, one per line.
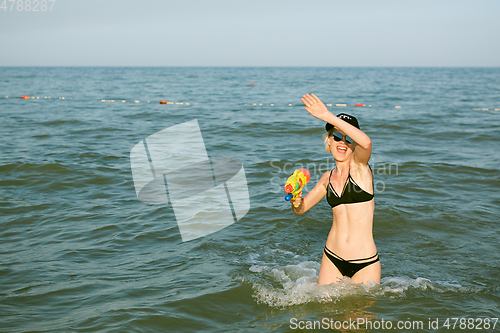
(315,106)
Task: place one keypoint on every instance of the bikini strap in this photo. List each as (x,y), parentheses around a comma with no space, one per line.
(327,250)
(330,176)
(376,254)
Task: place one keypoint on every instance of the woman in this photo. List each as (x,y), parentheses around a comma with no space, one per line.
(350,249)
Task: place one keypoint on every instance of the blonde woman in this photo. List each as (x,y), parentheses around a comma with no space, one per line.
(350,249)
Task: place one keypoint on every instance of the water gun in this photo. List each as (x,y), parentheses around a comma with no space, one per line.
(296,183)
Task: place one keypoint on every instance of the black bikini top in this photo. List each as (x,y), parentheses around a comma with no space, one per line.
(352,193)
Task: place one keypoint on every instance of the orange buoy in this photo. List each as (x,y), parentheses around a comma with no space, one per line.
(360,104)
(25,97)
(163,102)
(251,84)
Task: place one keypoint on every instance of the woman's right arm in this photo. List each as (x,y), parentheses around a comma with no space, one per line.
(311,198)
(317,109)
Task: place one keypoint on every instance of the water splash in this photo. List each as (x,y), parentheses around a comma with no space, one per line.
(296,284)
(401,286)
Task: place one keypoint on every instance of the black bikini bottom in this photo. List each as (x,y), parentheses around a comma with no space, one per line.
(350,267)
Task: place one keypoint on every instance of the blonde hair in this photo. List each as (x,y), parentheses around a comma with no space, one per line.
(325,137)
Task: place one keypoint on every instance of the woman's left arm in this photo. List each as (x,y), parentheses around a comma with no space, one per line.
(317,109)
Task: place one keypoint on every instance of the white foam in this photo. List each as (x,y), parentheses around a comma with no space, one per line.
(293,284)
(298,284)
(399,286)
(257,268)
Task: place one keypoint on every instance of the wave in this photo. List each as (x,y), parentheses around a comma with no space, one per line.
(62,122)
(440,175)
(400,286)
(296,284)
(35,168)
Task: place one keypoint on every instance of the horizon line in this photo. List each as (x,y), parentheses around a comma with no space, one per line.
(247,66)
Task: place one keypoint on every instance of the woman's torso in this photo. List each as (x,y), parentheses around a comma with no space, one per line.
(351,235)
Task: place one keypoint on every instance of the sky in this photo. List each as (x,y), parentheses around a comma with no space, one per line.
(250,33)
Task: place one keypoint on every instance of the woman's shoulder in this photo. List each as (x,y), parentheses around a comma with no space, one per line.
(325,178)
(361,170)
(327,173)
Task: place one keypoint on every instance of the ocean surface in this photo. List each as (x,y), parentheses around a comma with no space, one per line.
(80,253)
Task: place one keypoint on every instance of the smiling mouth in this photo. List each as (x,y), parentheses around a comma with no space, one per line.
(342,149)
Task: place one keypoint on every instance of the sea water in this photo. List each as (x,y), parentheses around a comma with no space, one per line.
(79,252)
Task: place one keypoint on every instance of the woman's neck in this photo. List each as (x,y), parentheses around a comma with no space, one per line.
(342,167)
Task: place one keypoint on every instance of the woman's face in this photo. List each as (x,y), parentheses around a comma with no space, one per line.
(341,150)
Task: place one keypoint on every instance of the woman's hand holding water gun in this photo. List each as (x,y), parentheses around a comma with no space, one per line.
(298,201)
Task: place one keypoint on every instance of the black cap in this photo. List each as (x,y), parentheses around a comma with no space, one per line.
(345,117)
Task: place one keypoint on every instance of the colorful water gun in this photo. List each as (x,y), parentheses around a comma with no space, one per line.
(296,183)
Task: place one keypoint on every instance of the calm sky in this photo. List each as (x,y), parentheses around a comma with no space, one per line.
(250,33)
